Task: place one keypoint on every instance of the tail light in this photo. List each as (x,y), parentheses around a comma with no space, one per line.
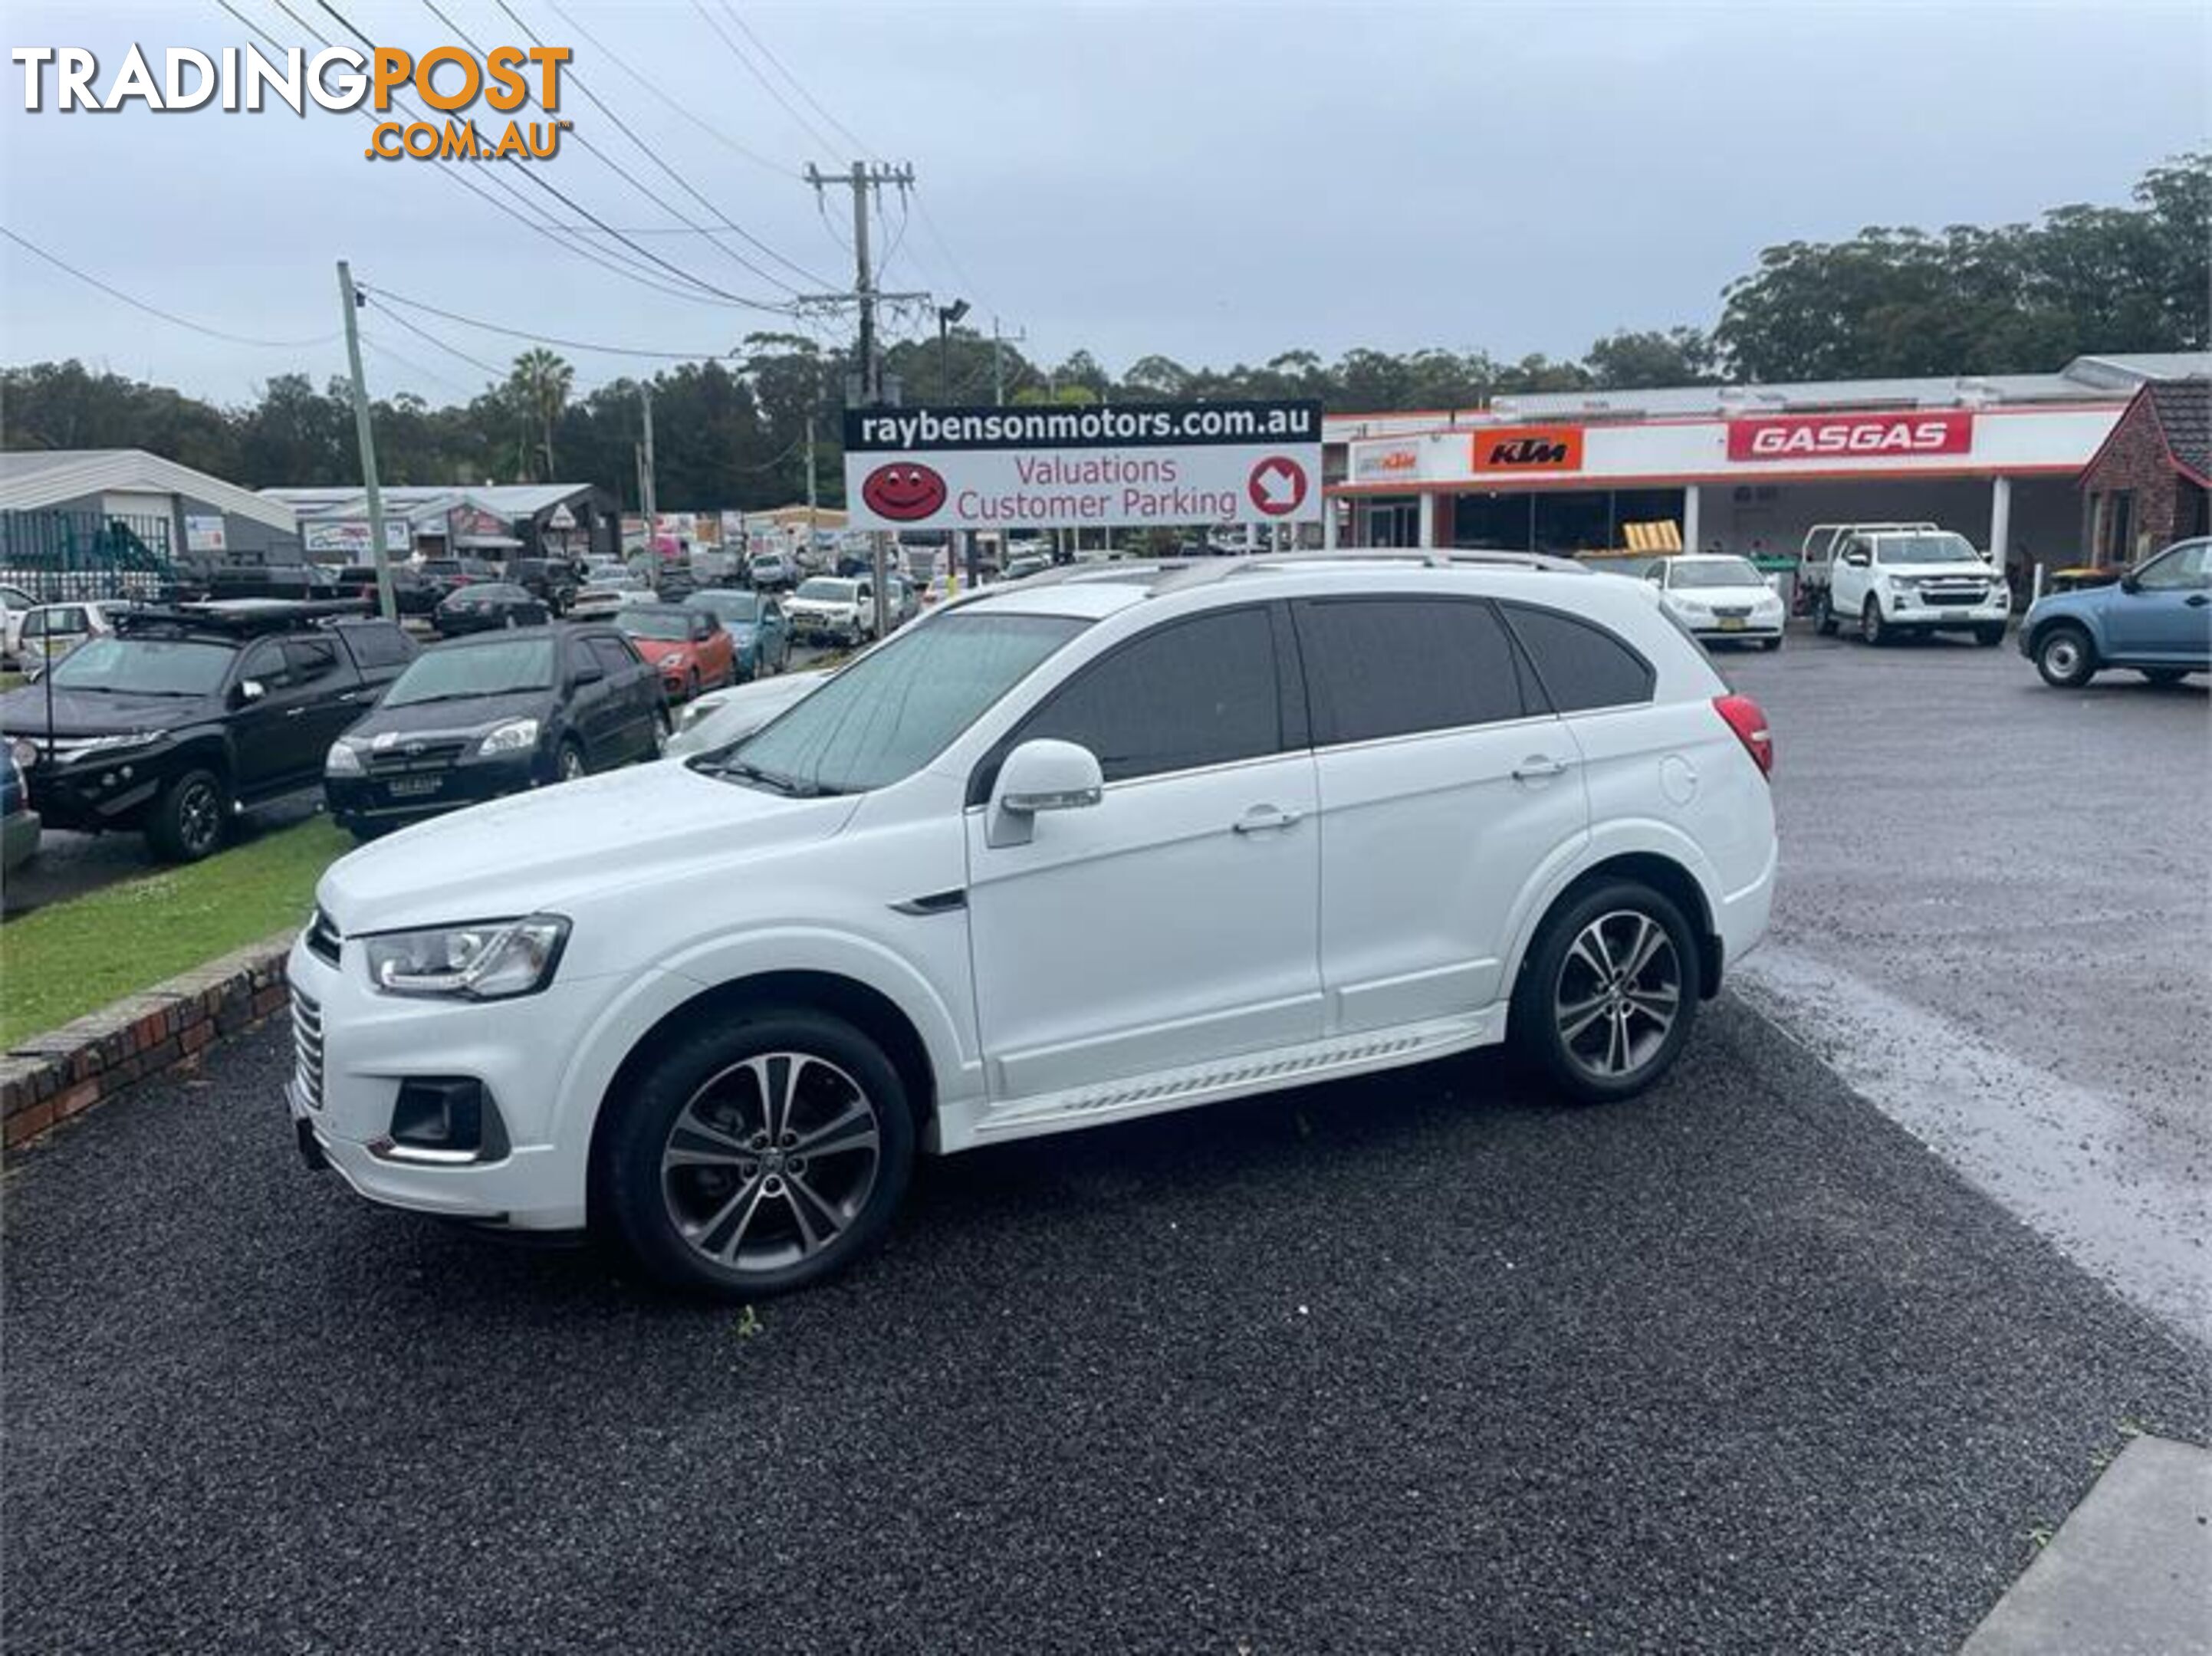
(1748,721)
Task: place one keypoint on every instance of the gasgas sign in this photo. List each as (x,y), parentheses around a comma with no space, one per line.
(1850,436)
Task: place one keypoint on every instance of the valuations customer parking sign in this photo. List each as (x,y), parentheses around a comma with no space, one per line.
(1057,466)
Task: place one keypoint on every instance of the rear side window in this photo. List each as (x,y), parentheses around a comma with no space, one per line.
(378,646)
(1198,692)
(1379,667)
(1581,664)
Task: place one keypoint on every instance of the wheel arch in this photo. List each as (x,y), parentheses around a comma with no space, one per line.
(2080,623)
(863,1006)
(1661,871)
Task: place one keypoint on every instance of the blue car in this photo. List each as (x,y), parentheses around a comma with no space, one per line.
(2155,619)
(757,625)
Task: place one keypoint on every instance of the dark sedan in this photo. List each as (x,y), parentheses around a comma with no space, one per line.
(483,717)
(486,607)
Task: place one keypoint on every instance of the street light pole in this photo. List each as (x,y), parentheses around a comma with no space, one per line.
(947,316)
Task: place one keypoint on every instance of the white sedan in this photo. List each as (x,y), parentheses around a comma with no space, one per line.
(1719,597)
(721,717)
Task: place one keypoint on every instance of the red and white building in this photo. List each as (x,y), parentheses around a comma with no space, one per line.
(1745,469)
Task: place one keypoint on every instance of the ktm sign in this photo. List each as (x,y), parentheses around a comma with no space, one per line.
(1529,448)
(1844,437)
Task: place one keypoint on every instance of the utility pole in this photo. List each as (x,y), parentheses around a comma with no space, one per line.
(812,491)
(998,343)
(386,604)
(866,181)
(647,498)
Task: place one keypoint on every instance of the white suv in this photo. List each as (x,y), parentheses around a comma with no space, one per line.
(1115,841)
(1890,581)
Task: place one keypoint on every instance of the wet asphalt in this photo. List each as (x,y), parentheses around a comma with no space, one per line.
(1993,919)
(1421,1362)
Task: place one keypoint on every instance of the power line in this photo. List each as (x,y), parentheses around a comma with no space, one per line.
(767,85)
(425,333)
(844,131)
(627,177)
(661,93)
(385,295)
(655,157)
(413,366)
(30,246)
(520,213)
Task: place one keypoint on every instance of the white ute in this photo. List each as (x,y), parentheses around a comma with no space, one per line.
(1885,581)
(1116,841)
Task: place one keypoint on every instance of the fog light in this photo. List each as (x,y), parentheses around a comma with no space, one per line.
(445,1119)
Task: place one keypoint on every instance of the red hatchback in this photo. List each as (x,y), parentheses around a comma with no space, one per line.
(689,648)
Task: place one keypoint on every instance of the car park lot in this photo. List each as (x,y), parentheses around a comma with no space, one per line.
(1418,1361)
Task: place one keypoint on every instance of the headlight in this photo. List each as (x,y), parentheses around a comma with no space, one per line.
(673,660)
(24,751)
(514,736)
(342,761)
(491,960)
(84,747)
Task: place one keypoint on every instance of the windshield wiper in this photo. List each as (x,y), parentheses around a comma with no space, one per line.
(796,787)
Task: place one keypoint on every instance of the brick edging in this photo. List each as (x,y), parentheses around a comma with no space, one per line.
(50,1077)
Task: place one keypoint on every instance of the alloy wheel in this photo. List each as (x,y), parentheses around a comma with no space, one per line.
(769,1162)
(1619,993)
(199,817)
(2063,656)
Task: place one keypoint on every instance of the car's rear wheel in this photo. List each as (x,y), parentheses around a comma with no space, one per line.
(2165,675)
(1872,629)
(761,1155)
(2066,659)
(189,818)
(1824,615)
(1608,992)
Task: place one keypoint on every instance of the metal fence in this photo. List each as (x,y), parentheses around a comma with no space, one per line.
(62,555)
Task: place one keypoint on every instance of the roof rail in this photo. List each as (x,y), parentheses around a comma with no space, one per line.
(1202,572)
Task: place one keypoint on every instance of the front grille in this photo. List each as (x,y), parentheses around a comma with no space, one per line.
(1969,597)
(307,1048)
(1727,612)
(406,758)
(323,937)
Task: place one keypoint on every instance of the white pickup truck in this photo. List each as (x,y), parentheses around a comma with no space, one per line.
(1887,579)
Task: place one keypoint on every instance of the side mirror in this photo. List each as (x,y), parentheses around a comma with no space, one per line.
(2132,582)
(251,689)
(1041,775)
(590,673)
(1857,560)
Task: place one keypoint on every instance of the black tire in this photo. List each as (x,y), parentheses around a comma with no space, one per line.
(1872,629)
(2065,658)
(1771,644)
(691,685)
(1557,982)
(674,1218)
(364,833)
(2164,675)
(1824,615)
(1989,637)
(191,818)
(569,764)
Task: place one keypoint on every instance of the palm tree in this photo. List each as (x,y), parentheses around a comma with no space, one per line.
(539,388)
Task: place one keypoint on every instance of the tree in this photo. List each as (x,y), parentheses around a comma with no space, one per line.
(538,390)
(1627,360)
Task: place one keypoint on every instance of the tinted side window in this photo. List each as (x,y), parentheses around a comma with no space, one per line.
(1191,693)
(265,661)
(1580,664)
(311,659)
(615,655)
(1379,667)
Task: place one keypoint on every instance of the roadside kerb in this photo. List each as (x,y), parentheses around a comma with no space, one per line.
(48,1078)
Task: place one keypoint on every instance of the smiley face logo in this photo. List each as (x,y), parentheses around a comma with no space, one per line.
(903,491)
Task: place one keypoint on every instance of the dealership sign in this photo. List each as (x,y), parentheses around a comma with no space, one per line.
(1850,436)
(1385,463)
(1528,448)
(349,536)
(1057,466)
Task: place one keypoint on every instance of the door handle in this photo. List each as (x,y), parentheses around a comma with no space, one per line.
(1539,766)
(1264,819)
(293,713)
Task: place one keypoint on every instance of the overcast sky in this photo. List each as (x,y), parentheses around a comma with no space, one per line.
(1216,183)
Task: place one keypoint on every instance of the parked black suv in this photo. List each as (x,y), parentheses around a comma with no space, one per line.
(412,592)
(495,714)
(551,582)
(186,716)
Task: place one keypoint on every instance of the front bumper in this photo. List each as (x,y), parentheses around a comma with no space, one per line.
(1721,630)
(95,796)
(410,796)
(369,1045)
(1913,612)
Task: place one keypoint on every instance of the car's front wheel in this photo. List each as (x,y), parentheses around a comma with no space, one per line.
(1989,637)
(2066,659)
(1608,992)
(1824,615)
(760,1154)
(1872,629)
(189,818)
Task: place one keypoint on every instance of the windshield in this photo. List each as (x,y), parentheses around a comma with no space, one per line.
(1717,571)
(829,589)
(729,608)
(145,666)
(895,708)
(667,624)
(1924,548)
(511,665)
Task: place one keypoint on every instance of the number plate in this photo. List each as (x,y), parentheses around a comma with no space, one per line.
(1731,623)
(406,787)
